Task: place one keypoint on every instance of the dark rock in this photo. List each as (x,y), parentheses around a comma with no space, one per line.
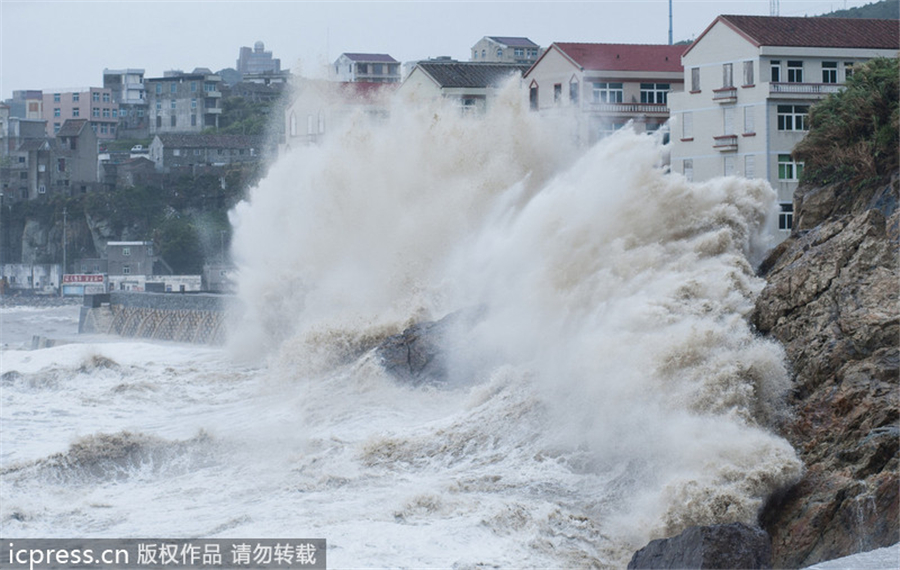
(420,354)
(832,301)
(733,545)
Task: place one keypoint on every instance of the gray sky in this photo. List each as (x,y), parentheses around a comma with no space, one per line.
(67,43)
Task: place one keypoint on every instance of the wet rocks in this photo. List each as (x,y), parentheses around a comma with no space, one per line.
(733,545)
(832,301)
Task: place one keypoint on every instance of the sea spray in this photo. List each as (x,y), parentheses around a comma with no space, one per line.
(614,349)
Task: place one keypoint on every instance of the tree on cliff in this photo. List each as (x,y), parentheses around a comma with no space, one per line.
(854,134)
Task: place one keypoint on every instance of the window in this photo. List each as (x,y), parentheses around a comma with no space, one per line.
(56,127)
(95,112)
(474,54)
(196,152)
(728,121)
(728,165)
(193,86)
(654,92)
(158,88)
(519,52)
(106,97)
(173,88)
(362,68)
(176,152)
(688,169)
(687,126)
(727,75)
(172,121)
(194,103)
(42,189)
(95,97)
(792,117)
(56,112)
(748,73)
(126,251)
(533,98)
(126,270)
(159,105)
(209,87)
(56,97)
(104,129)
(776,71)
(61,165)
(786,216)
(829,72)
(75,97)
(573,92)
(557,92)
(608,93)
(848,70)
(115,113)
(695,79)
(749,166)
(795,72)
(158,121)
(483,54)
(76,112)
(193,120)
(140,112)
(106,112)
(172,103)
(499,52)
(749,121)
(607,129)
(788,169)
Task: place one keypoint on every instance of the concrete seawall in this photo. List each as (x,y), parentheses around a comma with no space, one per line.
(192,318)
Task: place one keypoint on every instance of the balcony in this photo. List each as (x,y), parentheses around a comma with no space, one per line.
(725,95)
(212,111)
(650,109)
(804,90)
(725,143)
(215,94)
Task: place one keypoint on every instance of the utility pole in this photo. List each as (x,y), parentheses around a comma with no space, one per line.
(63,273)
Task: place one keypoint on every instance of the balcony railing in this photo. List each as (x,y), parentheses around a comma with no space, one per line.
(725,95)
(725,143)
(628,108)
(805,88)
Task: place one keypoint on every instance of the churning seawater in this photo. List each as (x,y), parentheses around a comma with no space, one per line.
(611,392)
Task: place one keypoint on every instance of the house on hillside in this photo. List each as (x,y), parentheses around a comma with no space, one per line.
(367,68)
(606,85)
(182,102)
(95,104)
(469,84)
(171,151)
(750,83)
(510,50)
(318,107)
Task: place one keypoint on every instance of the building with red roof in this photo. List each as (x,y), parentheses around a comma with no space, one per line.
(749,84)
(606,85)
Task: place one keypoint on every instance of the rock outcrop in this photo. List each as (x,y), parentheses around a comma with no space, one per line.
(832,301)
(733,545)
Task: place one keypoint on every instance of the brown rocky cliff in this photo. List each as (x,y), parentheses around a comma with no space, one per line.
(832,301)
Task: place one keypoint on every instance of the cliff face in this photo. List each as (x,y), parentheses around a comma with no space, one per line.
(832,301)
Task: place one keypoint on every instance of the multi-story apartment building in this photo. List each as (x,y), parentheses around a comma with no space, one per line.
(95,104)
(751,82)
(367,68)
(499,49)
(257,60)
(26,104)
(182,102)
(606,85)
(127,87)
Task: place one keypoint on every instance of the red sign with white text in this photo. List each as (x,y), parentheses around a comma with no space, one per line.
(82,278)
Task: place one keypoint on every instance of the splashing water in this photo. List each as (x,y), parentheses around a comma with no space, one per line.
(611,391)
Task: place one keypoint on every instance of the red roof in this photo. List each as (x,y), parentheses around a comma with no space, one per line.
(623,57)
(813,32)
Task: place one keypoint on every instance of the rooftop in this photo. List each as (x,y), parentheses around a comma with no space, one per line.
(470,74)
(623,57)
(370,57)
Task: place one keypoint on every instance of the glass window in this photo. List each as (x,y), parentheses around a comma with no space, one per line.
(788,169)
(748,73)
(608,93)
(786,216)
(695,79)
(829,72)
(687,125)
(795,71)
(776,71)
(654,93)
(688,169)
(792,117)
(727,75)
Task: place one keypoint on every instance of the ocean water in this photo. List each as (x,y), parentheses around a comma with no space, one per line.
(611,392)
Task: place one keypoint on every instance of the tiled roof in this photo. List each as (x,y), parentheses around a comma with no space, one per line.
(470,74)
(514,42)
(71,127)
(32,145)
(211,141)
(817,32)
(624,57)
(371,57)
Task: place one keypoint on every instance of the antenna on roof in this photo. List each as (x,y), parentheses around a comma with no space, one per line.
(670,22)
(773,8)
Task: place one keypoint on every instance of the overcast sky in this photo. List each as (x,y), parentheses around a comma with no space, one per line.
(66,44)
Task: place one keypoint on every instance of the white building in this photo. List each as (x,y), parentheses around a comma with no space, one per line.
(606,85)
(470,85)
(749,82)
(367,68)
(510,50)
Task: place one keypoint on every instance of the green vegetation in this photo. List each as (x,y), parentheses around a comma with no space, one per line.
(854,134)
(886,9)
(241,116)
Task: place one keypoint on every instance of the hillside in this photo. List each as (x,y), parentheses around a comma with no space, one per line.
(886,9)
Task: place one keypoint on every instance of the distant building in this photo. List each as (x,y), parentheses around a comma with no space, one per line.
(500,49)
(26,104)
(32,277)
(468,84)
(182,102)
(169,151)
(606,85)
(94,104)
(127,88)
(133,258)
(750,81)
(257,60)
(367,68)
